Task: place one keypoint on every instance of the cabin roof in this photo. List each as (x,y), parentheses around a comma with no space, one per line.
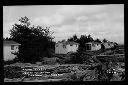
(10,42)
(69,43)
(108,42)
(93,43)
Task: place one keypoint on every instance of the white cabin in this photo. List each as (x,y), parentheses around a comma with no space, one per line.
(65,47)
(108,45)
(9,48)
(92,46)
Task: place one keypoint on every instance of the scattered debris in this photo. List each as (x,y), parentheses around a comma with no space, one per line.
(101,66)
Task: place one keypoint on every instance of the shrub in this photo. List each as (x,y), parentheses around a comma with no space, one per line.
(12,72)
(11,61)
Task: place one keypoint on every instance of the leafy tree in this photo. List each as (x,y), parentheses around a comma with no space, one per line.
(70,39)
(21,33)
(82,41)
(77,58)
(36,41)
(63,40)
(24,21)
(90,39)
(102,46)
(105,40)
(74,38)
(98,40)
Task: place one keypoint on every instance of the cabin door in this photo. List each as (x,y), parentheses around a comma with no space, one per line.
(88,47)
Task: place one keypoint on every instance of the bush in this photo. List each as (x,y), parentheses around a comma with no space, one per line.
(77,58)
(12,72)
(10,61)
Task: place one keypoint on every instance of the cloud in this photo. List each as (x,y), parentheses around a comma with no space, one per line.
(82,18)
(102,25)
(73,10)
(102,21)
(49,20)
(6,28)
(66,14)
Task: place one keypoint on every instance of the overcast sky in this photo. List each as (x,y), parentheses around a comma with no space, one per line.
(101,21)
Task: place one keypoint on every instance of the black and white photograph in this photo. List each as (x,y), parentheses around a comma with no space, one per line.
(56,43)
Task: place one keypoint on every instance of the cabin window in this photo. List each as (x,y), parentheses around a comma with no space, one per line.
(93,44)
(88,46)
(16,47)
(64,46)
(12,47)
(56,45)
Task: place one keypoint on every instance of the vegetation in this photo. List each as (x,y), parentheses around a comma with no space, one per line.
(85,39)
(79,56)
(36,41)
(37,44)
(11,61)
(12,72)
(104,40)
(98,40)
(82,40)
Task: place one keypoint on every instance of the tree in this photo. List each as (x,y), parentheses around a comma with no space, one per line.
(21,33)
(63,40)
(90,39)
(102,46)
(98,40)
(24,21)
(77,58)
(73,38)
(36,41)
(84,39)
(105,40)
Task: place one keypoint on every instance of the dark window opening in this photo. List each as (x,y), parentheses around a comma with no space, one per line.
(88,47)
(102,46)
(56,45)
(64,46)
(17,47)
(12,47)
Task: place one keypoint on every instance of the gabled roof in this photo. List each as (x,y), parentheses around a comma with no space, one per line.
(109,42)
(66,43)
(93,43)
(71,43)
(10,42)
